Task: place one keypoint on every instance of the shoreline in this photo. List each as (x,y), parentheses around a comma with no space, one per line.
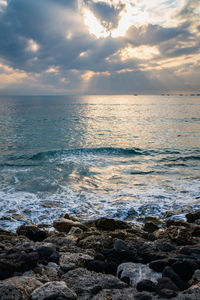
(102,259)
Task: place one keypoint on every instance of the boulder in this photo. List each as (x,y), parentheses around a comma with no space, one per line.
(32,232)
(83,282)
(170,273)
(134,273)
(74,260)
(64,225)
(18,288)
(166,283)
(110,224)
(185,269)
(193,216)
(158,265)
(150,227)
(180,234)
(121,294)
(53,290)
(48,254)
(146,285)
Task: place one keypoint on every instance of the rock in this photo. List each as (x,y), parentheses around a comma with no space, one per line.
(20,263)
(32,232)
(142,296)
(150,227)
(195,278)
(99,256)
(190,250)
(149,253)
(196,230)
(64,225)
(77,259)
(18,288)
(48,254)
(120,246)
(165,293)
(174,222)
(76,231)
(166,283)
(96,242)
(83,281)
(111,224)
(10,292)
(111,268)
(170,273)
(70,217)
(53,290)
(96,266)
(193,293)
(116,294)
(146,286)
(158,265)
(185,269)
(135,273)
(193,216)
(180,234)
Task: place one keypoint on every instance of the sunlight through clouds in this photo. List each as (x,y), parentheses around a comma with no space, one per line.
(81,45)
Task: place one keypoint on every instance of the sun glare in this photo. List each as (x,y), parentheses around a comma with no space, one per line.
(94,25)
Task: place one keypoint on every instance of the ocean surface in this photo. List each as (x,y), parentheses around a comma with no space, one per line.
(124,157)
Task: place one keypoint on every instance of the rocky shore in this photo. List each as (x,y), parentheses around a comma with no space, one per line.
(102,259)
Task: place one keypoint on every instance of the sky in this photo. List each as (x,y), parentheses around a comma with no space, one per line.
(99,47)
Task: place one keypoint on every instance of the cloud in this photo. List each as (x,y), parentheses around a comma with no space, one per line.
(48,45)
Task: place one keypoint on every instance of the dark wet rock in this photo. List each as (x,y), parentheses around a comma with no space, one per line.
(174,222)
(196,231)
(158,265)
(99,256)
(64,225)
(120,246)
(83,281)
(32,232)
(135,273)
(96,266)
(48,254)
(111,268)
(180,234)
(19,287)
(110,224)
(53,290)
(166,283)
(142,296)
(195,278)
(185,269)
(170,273)
(150,227)
(190,250)
(17,263)
(193,216)
(148,254)
(167,247)
(146,286)
(166,293)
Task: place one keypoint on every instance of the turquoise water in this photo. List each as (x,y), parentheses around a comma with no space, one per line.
(115,156)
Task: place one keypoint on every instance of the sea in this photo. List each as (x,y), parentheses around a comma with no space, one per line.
(118,156)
